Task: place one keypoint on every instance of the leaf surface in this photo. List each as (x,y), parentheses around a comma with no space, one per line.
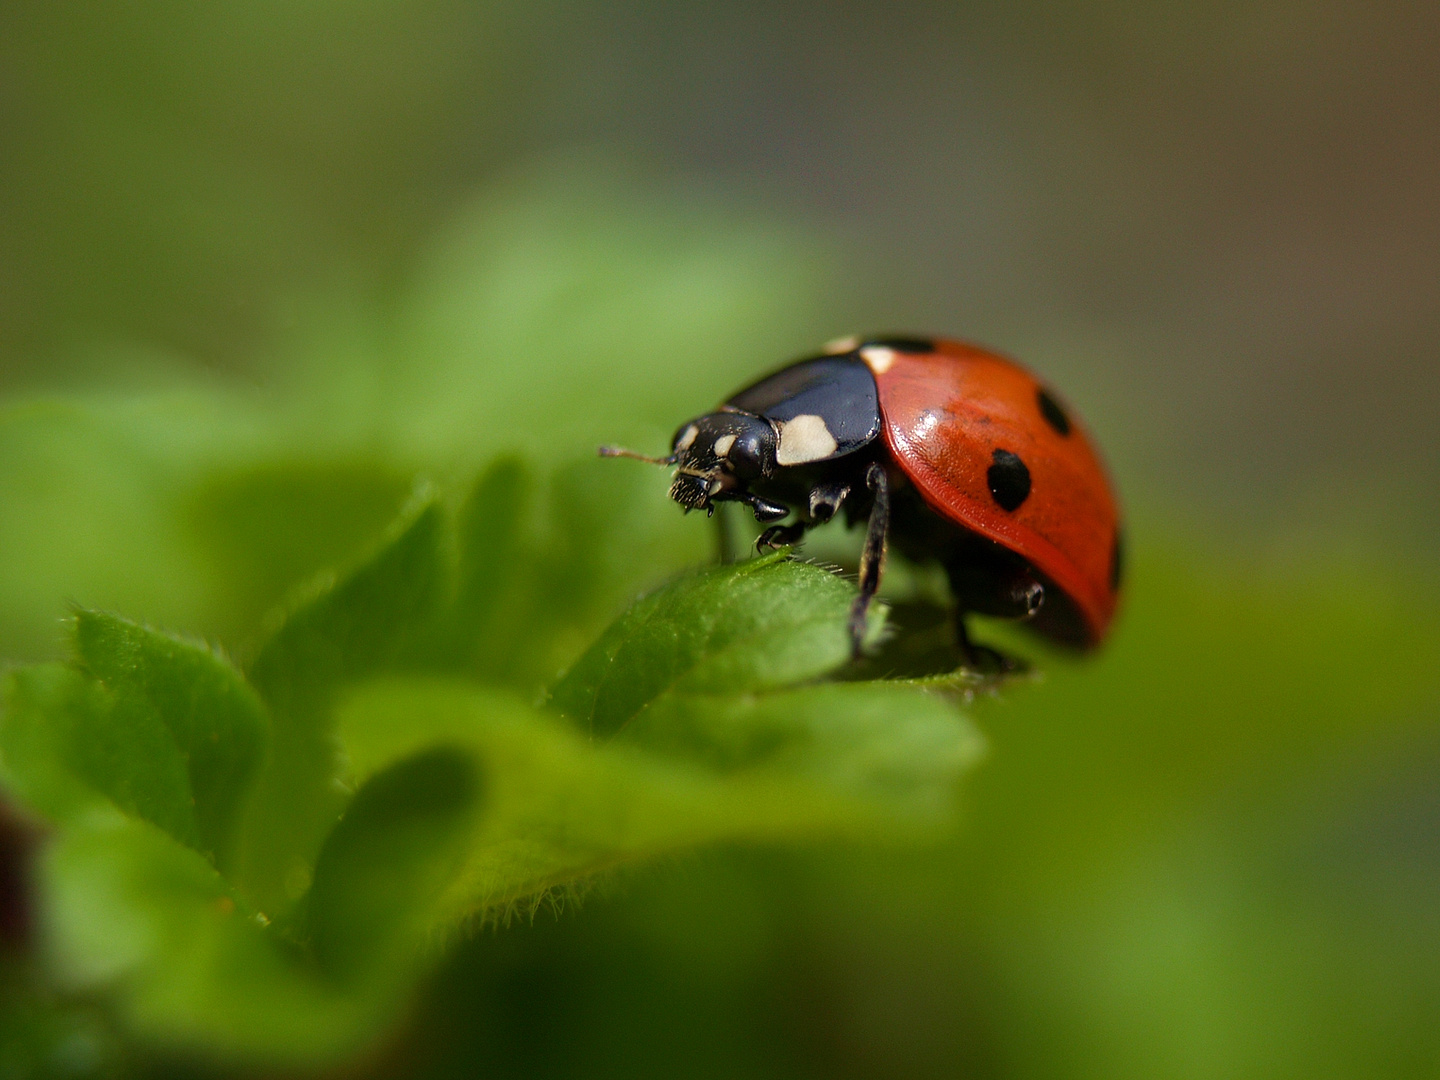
(72,747)
(44,706)
(348,629)
(400,843)
(132,912)
(748,626)
(850,760)
(216,722)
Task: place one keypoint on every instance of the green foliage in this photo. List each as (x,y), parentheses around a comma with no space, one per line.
(47,710)
(345,630)
(1208,850)
(262,866)
(746,627)
(216,725)
(401,842)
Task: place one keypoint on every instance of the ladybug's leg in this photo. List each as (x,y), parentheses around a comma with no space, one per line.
(986,585)
(825,499)
(980,657)
(781,535)
(873,556)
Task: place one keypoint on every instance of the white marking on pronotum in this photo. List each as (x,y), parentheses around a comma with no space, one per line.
(687,437)
(841,345)
(723,444)
(805,438)
(878,357)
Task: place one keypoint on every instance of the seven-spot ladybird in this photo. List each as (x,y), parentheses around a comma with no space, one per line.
(951,452)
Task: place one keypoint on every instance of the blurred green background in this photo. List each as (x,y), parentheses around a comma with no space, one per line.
(262,264)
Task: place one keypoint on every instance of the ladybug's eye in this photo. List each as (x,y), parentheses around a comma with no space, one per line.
(747,453)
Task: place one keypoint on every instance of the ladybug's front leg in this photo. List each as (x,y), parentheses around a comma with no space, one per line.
(873,556)
(825,500)
(781,535)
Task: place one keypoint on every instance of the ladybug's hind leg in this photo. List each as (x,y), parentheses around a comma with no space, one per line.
(982,658)
(987,580)
(873,555)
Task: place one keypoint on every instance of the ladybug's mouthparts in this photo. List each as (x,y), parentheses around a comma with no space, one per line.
(694,490)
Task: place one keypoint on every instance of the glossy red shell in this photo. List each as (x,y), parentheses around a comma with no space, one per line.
(946,413)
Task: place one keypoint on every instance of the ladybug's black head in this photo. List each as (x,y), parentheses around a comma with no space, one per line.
(718,456)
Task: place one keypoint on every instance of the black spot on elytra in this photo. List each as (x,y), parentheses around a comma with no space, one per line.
(902,344)
(1117,560)
(1053,413)
(1009,479)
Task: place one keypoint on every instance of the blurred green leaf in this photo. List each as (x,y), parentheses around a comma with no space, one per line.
(66,737)
(216,722)
(266,527)
(585,304)
(41,710)
(346,630)
(894,744)
(495,553)
(560,808)
(131,912)
(490,535)
(400,844)
(601,536)
(41,1037)
(747,626)
(355,626)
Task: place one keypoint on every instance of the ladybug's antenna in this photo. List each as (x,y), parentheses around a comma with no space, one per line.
(620,451)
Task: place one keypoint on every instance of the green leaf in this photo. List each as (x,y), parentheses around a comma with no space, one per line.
(401,842)
(852,760)
(549,316)
(613,531)
(90,495)
(356,626)
(68,740)
(121,746)
(536,587)
(216,722)
(362,624)
(266,527)
(489,526)
(749,626)
(131,912)
(43,708)
(494,558)
(897,745)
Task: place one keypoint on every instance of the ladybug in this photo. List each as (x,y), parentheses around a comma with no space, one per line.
(949,452)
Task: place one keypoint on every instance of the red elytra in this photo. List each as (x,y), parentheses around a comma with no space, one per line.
(944,415)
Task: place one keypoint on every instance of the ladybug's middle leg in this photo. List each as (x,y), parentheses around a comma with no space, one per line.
(873,555)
